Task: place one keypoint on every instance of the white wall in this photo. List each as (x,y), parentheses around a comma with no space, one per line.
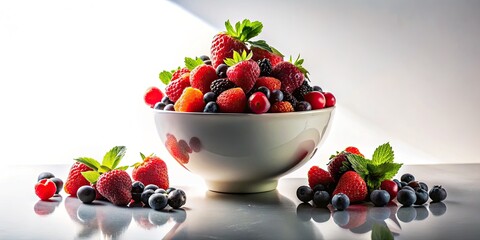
(72,74)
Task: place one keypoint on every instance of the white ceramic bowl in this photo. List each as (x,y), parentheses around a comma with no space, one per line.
(242,153)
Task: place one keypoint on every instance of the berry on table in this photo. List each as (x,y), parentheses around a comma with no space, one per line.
(177,198)
(340,201)
(438,193)
(58,183)
(398,183)
(321,198)
(152,96)
(221,70)
(316,99)
(414,184)
(303,106)
(157,201)
(407,177)
(330,100)
(391,187)
(354,150)
(211,107)
(317,175)
(406,197)
(45,175)
(319,187)
(380,198)
(86,194)
(422,196)
(408,188)
(45,189)
(304,194)
(259,103)
(137,189)
(168,190)
(424,186)
(146,195)
(161,190)
(209,97)
(152,187)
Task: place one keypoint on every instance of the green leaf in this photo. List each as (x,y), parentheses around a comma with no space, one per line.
(191,63)
(383,154)
(393,169)
(90,162)
(165,77)
(381,232)
(123,168)
(104,169)
(359,164)
(112,158)
(91,176)
(230,30)
(244,30)
(142,156)
(237,57)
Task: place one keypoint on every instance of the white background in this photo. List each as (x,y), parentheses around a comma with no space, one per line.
(73,73)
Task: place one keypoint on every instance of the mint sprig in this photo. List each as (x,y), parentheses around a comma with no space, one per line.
(381,167)
(165,77)
(191,63)
(110,162)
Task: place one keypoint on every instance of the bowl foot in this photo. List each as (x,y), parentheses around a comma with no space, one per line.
(242,187)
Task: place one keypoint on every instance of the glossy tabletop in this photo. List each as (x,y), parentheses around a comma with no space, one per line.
(272,215)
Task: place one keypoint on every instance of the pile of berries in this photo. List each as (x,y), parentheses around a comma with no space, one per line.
(346,182)
(47,185)
(239,76)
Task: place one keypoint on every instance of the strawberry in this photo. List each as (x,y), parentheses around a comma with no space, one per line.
(338,165)
(115,186)
(316,176)
(269,82)
(75,179)
(232,100)
(242,71)
(274,56)
(202,76)
(290,74)
(152,170)
(353,185)
(175,88)
(281,107)
(225,43)
(178,153)
(191,100)
(354,150)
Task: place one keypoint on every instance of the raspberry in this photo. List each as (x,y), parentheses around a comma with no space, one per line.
(191,100)
(220,85)
(302,91)
(152,96)
(282,106)
(316,176)
(270,82)
(45,189)
(265,67)
(179,73)
(354,150)
(175,88)
(232,101)
(289,98)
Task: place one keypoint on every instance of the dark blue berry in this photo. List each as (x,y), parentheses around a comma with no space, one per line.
(317,88)
(304,194)
(422,196)
(161,190)
(207,62)
(406,197)
(58,182)
(438,194)
(158,201)
(211,107)
(86,194)
(169,107)
(146,195)
(168,190)
(209,97)
(340,201)
(276,96)
(407,177)
(408,188)
(204,58)
(159,105)
(319,187)
(379,198)
(403,184)
(264,90)
(150,186)
(222,70)
(137,189)
(303,106)
(166,100)
(321,198)
(265,67)
(399,185)
(177,198)
(45,175)
(424,186)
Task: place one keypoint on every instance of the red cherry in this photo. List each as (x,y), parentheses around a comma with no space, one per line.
(330,99)
(391,187)
(259,103)
(152,96)
(45,189)
(316,99)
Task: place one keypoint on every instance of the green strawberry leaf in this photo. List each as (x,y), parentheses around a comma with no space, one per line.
(298,63)
(359,164)
(142,156)
(383,154)
(91,176)
(191,63)
(122,168)
(244,30)
(381,232)
(264,45)
(104,169)
(113,157)
(237,57)
(165,77)
(90,162)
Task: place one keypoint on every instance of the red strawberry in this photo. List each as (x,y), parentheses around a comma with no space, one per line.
(316,176)
(353,185)
(232,100)
(202,76)
(243,71)
(281,107)
(98,196)
(354,150)
(259,54)
(233,39)
(290,74)
(175,88)
(75,178)
(116,187)
(152,170)
(178,153)
(179,72)
(269,82)
(338,165)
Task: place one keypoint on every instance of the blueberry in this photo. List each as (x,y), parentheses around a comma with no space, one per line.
(403,184)
(438,194)
(276,96)
(422,196)
(45,175)
(168,190)
(321,198)
(150,186)
(317,88)
(304,194)
(380,198)
(86,194)
(58,182)
(222,70)
(204,58)
(424,186)
(177,198)
(398,183)
(406,197)
(409,188)
(137,189)
(166,100)
(414,184)
(319,187)
(264,90)
(303,106)
(209,97)
(159,106)
(169,107)
(211,107)
(407,177)
(146,195)
(340,201)
(161,190)
(208,62)
(157,201)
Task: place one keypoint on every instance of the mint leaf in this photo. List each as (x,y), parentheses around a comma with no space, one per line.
(91,176)
(165,77)
(191,63)
(383,154)
(104,169)
(112,158)
(381,232)
(391,170)
(90,162)
(359,164)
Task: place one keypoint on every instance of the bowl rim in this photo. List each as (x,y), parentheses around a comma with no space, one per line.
(328,109)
